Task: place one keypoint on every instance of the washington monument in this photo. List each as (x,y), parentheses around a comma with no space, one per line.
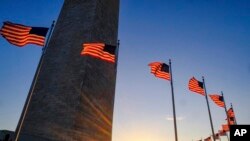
(73,96)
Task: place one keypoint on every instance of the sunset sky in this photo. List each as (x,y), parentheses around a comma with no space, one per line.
(209,38)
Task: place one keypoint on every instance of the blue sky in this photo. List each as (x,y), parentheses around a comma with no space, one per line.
(203,38)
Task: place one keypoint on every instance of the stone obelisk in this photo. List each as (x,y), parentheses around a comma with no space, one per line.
(73,96)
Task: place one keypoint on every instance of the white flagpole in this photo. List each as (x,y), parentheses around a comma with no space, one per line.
(27,102)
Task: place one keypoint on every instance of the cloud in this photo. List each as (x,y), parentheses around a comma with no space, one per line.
(170,118)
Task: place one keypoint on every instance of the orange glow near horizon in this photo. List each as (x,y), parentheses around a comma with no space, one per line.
(139,135)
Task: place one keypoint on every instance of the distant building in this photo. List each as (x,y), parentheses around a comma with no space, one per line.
(6,135)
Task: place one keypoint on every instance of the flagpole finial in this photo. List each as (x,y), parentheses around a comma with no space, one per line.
(118,42)
(53,24)
(203,79)
(169,61)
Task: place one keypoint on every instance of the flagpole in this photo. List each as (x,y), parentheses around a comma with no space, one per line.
(50,32)
(172,90)
(117,53)
(225,107)
(28,99)
(210,117)
(227,137)
(234,114)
